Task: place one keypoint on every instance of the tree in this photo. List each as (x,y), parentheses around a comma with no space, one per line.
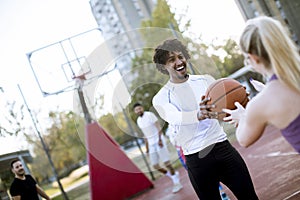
(65,144)
(6,179)
(233,59)
(116,126)
(13,117)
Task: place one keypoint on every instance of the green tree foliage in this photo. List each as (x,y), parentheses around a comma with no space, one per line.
(233,59)
(116,126)
(65,143)
(162,25)
(202,63)
(6,179)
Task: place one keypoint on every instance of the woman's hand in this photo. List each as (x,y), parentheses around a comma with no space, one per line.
(259,86)
(234,115)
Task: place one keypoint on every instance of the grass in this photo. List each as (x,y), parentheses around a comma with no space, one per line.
(72,194)
(67,182)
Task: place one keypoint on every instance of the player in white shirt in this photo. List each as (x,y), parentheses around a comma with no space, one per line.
(156,145)
(210,158)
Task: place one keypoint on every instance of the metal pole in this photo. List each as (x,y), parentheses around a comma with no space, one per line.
(45,148)
(87,116)
(132,131)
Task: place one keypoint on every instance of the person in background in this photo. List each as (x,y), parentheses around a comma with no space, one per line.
(269,50)
(24,187)
(156,145)
(210,158)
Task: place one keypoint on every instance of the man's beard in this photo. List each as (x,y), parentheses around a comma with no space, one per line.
(21,172)
(141,114)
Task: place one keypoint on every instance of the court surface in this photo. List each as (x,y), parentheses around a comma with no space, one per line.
(273,165)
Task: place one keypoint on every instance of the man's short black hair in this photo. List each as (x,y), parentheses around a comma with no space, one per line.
(136,105)
(13,162)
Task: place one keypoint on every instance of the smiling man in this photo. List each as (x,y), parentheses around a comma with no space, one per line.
(210,158)
(24,187)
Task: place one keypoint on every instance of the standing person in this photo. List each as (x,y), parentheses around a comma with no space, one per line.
(156,144)
(24,187)
(269,50)
(210,158)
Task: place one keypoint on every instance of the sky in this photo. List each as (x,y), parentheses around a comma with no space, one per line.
(211,18)
(29,25)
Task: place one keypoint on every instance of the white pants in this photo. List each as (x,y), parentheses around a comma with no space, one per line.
(156,153)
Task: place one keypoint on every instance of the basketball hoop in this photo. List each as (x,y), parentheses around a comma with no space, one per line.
(80,79)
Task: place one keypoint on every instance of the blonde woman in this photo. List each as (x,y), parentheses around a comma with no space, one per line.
(270,51)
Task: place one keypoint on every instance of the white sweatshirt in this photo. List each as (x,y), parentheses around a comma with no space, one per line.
(178,104)
(147,125)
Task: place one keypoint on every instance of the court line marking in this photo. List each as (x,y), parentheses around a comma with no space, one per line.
(273,154)
(295,193)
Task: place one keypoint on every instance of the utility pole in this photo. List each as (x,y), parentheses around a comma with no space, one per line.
(44,147)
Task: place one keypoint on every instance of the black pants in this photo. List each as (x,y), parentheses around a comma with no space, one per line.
(219,163)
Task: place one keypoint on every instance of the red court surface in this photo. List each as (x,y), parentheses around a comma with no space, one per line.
(273,165)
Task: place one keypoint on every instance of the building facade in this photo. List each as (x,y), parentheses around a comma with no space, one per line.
(119,21)
(286,11)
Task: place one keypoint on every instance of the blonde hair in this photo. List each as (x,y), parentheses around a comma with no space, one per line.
(268,39)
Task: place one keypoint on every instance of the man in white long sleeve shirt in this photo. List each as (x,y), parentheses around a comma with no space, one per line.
(156,145)
(210,158)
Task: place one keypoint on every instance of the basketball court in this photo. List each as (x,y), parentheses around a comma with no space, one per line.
(272,162)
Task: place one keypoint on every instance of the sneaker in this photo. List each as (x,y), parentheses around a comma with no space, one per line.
(168,174)
(176,188)
(176,178)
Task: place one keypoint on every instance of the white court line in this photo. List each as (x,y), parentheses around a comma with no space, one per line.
(277,154)
(295,193)
(273,154)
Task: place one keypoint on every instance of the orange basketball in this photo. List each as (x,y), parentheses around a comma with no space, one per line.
(223,93)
